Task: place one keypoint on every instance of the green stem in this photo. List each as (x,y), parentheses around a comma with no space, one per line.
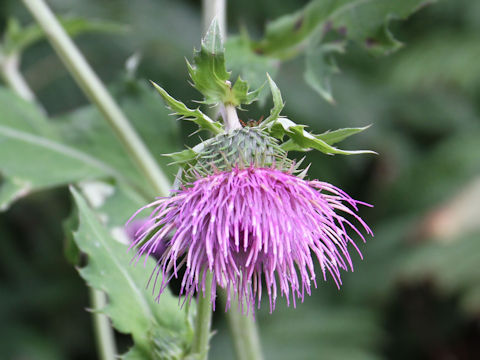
(201,336)
(231,118)
(9,70)
(98,94)
(101,325)
(245,334)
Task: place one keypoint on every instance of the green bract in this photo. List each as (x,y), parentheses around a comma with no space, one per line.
(241,148)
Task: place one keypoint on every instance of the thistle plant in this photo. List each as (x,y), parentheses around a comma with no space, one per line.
(245,218)
(244,223)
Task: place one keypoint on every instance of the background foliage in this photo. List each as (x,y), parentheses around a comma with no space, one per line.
(417,293)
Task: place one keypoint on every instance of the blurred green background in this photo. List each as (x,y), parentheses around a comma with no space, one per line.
(416,294)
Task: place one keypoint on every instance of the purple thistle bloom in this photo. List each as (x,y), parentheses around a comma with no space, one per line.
(250,223)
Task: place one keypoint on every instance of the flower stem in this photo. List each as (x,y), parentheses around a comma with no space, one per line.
(201,336)
(98,94)
(231,118)
(101,324)
(244,334)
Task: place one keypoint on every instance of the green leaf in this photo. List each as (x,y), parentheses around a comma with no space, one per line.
(302,140)
(361,21)
(208,71)
(33,158)
(210,76)
(311,30)
(335,136)
(18,38)
(320,66)
(277,102)
(132,309)
(77,146)
(180,109)
(241,94)
(117,206)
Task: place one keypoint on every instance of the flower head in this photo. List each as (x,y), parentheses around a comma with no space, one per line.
(252,227)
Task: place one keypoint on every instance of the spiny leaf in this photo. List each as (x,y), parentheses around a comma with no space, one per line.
(301,140)
(241,94)
(210,77)
(180,109)
(208,71)
(335,136)
(131,307)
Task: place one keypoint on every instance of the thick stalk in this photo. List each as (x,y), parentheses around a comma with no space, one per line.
(203,320)
(231,118)
(98,94)
(104,336)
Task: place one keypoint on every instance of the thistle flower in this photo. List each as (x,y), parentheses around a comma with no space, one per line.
(249,226)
